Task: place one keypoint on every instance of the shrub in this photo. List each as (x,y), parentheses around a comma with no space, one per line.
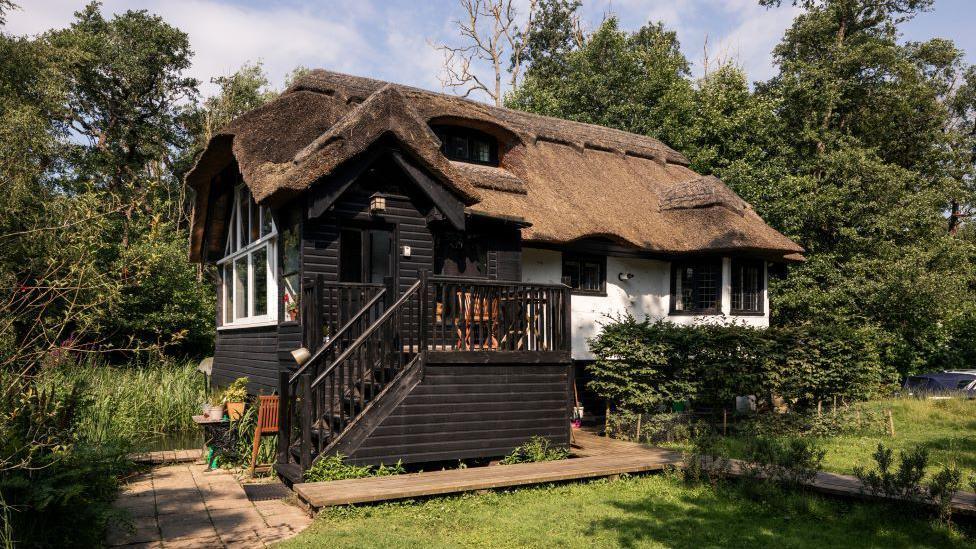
(535,450)
(653,428)
(335,468)
(905,482)
(643,366)
(56,483)
(705,462)
(236,391)
(791,462)
(943,488)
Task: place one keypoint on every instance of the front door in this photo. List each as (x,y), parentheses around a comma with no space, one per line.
(366,254)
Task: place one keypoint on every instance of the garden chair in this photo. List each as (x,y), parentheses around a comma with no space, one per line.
(267,425)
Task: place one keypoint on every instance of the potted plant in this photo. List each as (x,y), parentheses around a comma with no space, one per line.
(214,408)
(234,397)
(291,307)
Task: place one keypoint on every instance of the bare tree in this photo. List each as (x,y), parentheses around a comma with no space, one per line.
(491,34)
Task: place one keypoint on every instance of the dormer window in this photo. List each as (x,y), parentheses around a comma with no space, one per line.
(467,145)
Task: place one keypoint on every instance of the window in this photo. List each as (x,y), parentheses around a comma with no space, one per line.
(460,254)
(585,274)
(467,145)
(247,269)
(748,284)
(696,287)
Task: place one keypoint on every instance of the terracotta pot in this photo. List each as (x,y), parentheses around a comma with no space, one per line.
(235,410)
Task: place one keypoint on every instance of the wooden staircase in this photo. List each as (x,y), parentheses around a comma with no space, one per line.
(352,382)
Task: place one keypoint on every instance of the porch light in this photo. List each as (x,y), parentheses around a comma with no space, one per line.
(625,276)
(377,204)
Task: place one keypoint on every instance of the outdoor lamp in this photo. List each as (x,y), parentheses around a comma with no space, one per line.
(377,204)
(625,276)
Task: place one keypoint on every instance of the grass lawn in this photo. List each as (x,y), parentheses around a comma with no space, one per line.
(662,511)
(947,428)
(647,511)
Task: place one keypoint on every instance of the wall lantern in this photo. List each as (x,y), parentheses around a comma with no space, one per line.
(377,204)
(624,277)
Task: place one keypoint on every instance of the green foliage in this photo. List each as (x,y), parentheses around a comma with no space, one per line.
(335,468)
(790,462)
(942,488)
(236,391)
(642,366)
(135,402)
(267,451)
(56,483)
(534,450)
(856,149)
(905,482)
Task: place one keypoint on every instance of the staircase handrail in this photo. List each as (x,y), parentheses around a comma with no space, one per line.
(325,348)
(367,332)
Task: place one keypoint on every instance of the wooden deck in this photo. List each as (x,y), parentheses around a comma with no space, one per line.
(595,457)
(599,457)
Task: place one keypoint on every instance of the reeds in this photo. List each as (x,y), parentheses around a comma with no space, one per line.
(135,402)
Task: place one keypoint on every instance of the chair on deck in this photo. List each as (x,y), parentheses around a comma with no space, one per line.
(267,425)
(477,309)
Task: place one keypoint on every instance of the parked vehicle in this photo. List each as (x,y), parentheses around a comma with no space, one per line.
(948,383)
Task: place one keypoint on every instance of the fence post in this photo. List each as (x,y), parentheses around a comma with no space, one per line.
(567,320)
(424,279)
(284,417)
(306,457)
(891,424)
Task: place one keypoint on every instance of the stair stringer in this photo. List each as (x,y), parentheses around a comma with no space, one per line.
(377,410)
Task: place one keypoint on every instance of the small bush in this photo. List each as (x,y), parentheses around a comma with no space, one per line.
(705,462)
(536,449)
(335,468)
(905,482)
(943,488)
(790,462)
(236,391)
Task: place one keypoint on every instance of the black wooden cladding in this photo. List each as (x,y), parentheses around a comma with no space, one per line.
(465,412)
(247,352)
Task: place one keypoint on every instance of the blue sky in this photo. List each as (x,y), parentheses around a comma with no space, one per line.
(389,39)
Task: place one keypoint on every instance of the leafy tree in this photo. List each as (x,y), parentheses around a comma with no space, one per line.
(631,81)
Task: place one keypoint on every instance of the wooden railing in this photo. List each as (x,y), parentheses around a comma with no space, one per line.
(384,337)
(328,306)
(326,395)
(495,315)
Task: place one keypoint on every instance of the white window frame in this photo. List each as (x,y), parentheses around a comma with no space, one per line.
(234,251)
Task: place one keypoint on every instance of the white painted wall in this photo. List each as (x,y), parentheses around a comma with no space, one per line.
(647,294)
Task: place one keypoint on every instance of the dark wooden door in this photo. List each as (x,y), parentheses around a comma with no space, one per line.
(366,256)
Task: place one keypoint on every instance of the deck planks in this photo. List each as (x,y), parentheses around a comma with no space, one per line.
(596,457)
(601,458)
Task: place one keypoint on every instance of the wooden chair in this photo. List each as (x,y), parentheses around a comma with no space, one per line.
(477,310)
(267,425)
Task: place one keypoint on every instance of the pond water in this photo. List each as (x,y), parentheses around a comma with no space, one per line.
(177,440)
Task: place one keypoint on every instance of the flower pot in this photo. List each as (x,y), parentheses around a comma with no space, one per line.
(235,410)
(293,315)
(215,412)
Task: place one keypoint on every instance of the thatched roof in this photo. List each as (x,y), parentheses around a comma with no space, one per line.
(567,179)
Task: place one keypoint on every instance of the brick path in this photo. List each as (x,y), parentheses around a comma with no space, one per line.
(183,506)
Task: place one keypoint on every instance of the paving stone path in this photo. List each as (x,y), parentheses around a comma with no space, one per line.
(183,506)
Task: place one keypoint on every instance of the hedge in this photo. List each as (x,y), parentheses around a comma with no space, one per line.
(645,366)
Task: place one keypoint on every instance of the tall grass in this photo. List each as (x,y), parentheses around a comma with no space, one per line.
(135,402)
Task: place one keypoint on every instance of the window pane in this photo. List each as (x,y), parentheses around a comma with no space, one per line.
(590,276)
(747,286)
(240,287)
(259,262)
(571,273)
(228,289)
(482,153)
(351,256)
(379,255)
(245,211)
(232,234)
(459,147)
(265,220)
(697,286)
(255,221)
(707,286)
